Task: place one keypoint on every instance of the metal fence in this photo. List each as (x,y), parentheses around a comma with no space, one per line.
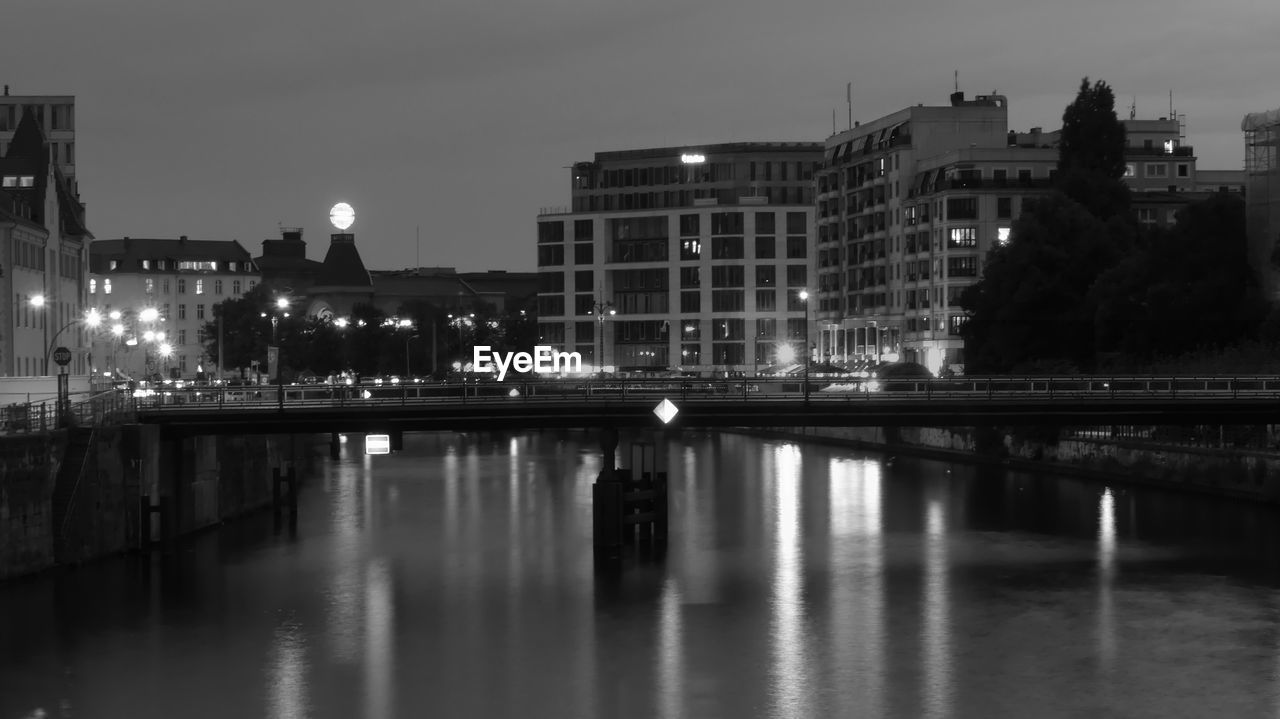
(109,406)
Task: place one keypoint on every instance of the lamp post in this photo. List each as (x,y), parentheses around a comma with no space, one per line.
(117,331)
(460,321)
(149,316)
(599,309)
(804,298)
(38,302)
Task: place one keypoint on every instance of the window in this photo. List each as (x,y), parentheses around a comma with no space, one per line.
(182,312)
(164,286)
(794,303)
(182,286)
(726,248)
(688,225)
(583,231)
(199,287)
(690,354)
(584,304)
(146,264)
(148,285)
(583,254)
(690,249)
(796,247)
(1004,208)
(797,275)
(726,223)
(113,264)
(766,300)
(766,328)
(584,331)
(728,329)
(765,248)
(198,266)
(962,208)
(217,287)
(549,255)
(765,223)
(550,282)
(766,276)
(182,337)
(1024,176)
(93,286)
(797,224)
(1184,169)
(235,287)
(550,232)
(727,301)
(963,237)
(727,276)
(583,280)
(1157,169)
(106,286)
(1130,170)
(252,284)
(962,267)
(690,277)
(691,301)
(199,312)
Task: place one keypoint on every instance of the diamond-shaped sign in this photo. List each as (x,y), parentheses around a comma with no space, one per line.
(666,410)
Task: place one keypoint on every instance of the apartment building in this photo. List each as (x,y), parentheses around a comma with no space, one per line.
(55,115)
(181,280)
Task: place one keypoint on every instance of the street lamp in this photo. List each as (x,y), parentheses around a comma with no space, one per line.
(38,302)
(600,309)
(804,298)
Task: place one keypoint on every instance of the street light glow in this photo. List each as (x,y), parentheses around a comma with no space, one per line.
(149,314)
(37,301)
(282,303)
(342,216)
(117,329)
(93,318)
(166,349)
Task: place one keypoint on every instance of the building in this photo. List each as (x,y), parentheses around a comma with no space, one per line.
(44,246)
(55,115)
(180,280)
(889,195)
(1262,173)
(682,258)
(910,204)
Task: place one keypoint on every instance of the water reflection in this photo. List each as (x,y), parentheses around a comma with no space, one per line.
(857,596)
(289,696)
(456,579)
(790,692)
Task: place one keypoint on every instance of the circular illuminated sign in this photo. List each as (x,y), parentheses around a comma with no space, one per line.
(342,215)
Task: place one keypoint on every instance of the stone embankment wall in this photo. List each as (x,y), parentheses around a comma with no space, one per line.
(1228,472)
(195,483)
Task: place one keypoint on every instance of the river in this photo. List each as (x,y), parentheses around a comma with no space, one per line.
(455,579)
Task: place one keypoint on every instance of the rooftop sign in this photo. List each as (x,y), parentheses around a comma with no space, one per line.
(692,159)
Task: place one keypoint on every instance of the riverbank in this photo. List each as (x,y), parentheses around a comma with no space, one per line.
(74,495)
(1237,473)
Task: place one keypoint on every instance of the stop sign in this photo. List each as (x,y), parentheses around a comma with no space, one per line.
(62,356)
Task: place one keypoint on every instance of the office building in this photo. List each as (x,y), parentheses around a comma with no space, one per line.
(1262,173)
(682,258)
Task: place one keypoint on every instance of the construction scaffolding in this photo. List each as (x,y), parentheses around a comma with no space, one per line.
(1262,195)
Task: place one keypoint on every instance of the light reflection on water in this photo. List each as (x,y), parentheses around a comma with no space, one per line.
(456,578)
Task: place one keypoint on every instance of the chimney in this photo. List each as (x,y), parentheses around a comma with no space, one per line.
(182,238)
(957,98)
(6,90)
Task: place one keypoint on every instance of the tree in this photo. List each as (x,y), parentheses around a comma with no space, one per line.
(1033,308)
(1190,287)
(1091,152)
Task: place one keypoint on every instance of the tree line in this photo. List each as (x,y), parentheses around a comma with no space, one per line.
(1083,286)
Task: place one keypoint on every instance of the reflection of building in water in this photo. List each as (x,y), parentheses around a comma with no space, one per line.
(937,676)
(1106,579)
(791,688)
(858,602)
(1262,195)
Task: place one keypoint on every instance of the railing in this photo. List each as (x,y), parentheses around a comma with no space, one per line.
(822,389)
(103,407)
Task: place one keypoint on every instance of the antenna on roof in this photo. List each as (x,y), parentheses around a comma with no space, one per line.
(1133,108)
(1171,102)
(848,98)
(957,80)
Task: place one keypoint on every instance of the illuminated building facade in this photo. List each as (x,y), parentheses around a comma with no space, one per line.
(682,258)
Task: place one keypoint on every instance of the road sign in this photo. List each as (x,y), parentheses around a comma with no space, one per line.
(62,356)
(666,410)
(377,444)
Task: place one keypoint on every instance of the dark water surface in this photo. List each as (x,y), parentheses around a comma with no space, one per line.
(455,579)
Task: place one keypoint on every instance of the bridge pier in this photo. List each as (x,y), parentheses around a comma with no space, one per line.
(282,499)
(628,504)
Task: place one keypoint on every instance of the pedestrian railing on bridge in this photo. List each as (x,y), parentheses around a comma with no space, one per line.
(739,390)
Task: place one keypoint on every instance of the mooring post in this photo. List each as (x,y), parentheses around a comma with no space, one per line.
(335,446)
(607,501)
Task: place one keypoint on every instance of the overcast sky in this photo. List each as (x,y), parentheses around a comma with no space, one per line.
(225,120)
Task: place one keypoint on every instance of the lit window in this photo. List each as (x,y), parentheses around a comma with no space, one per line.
(93,286)
(26,181)
(146,264)
(10,181)
(1168,147)
(106,287)
(150,285)
(1130,170)
(113,264)
(199,287)
(1002,235)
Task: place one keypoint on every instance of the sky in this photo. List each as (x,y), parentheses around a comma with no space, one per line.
(449,124)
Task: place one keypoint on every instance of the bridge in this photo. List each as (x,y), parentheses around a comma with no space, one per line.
(969,401)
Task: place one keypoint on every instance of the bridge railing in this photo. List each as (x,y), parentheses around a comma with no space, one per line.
(741,390)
